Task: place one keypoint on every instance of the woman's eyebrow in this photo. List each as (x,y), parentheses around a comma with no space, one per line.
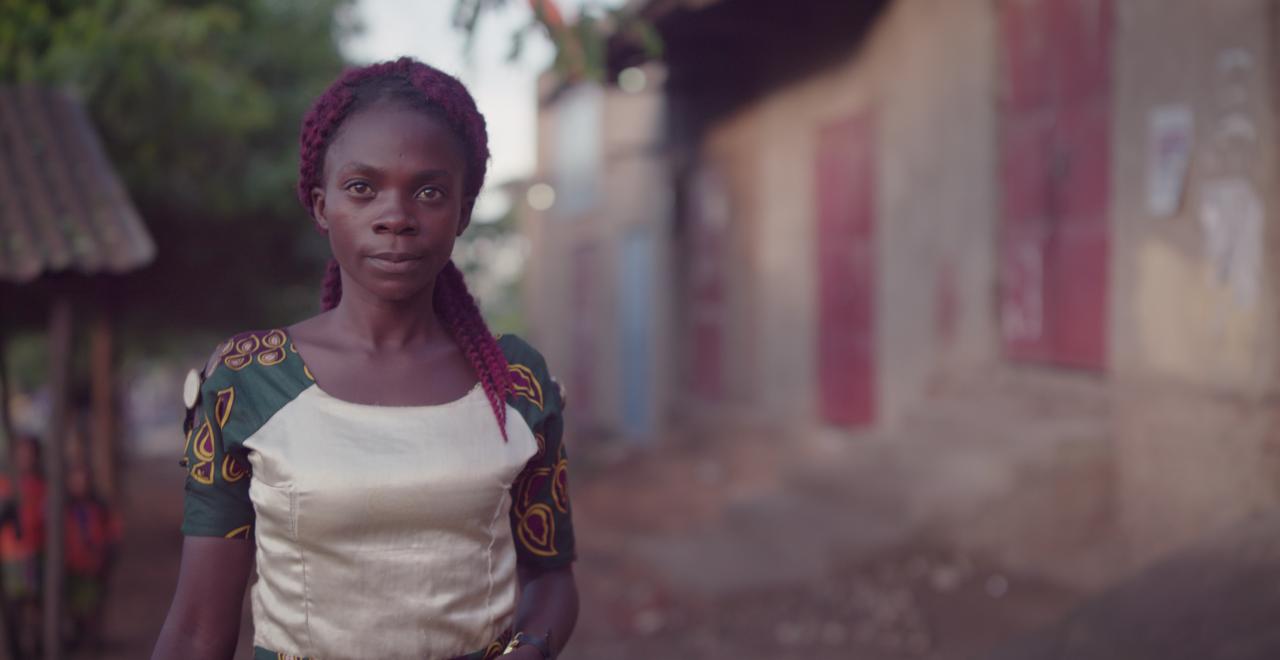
(359,168)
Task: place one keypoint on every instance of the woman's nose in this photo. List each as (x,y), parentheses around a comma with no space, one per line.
(395,220)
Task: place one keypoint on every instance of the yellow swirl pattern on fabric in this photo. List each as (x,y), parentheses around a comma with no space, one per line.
(542,447)
(203,472)
(524,384)
(203,442)
(222,406)
(538,530)
(529,485)
(274,353)
(560,486)
(232,470)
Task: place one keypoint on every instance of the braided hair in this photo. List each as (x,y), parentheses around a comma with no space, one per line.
(443,97)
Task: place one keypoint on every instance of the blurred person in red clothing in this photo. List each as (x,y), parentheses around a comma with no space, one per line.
(22,533)
(92,532)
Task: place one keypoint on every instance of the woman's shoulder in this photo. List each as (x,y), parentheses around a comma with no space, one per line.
(518,351)
(531,379)
(257,361)
(242,350)
(249,377)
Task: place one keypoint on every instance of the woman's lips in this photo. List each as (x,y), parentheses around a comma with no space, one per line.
(396,262)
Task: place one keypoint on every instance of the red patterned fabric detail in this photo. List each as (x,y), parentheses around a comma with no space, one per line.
(233,469)
(537,531)
(542,448)
(528,486)
(222,406)
(203,472)
(203,441)
(273,351)
(560,486)
(497,646)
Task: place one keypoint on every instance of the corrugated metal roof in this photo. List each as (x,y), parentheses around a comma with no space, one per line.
(62,206)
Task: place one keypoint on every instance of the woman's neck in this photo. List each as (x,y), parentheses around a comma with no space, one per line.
(378,324)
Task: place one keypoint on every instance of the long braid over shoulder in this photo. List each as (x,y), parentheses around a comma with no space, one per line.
(423,87)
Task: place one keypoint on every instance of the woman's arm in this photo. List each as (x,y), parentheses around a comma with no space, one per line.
(548,601)
(204,619)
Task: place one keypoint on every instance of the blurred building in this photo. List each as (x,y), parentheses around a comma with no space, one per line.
(599,273)
(815,213)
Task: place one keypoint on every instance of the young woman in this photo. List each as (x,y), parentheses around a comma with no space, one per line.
(395,471)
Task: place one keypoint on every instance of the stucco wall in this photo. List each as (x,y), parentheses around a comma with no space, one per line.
(1194,348)
(1181,309)
(575,254)
(926,76)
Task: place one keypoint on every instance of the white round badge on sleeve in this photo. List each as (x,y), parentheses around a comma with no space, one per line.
(191,389)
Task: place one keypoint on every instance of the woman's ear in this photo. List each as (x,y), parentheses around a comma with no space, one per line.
(317,210)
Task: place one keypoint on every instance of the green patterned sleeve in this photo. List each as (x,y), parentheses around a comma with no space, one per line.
(217,490)
(541,517)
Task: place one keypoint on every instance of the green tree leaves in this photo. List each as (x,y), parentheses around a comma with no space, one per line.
(198,104)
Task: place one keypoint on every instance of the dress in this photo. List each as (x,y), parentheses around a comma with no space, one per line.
(381,531)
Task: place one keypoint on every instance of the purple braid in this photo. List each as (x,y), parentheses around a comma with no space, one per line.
(444,97)
(456,307)
(331,287)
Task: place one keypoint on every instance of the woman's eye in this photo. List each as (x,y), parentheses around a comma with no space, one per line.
(359,188)
(430,194)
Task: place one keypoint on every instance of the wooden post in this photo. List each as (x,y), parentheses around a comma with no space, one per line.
(8,635)
(60,336)
(7,435)
(102,425)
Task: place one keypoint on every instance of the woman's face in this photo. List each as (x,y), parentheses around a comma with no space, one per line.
(392,202)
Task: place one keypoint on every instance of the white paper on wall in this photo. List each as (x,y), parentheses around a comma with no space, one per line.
(1231,216)
(1170,133)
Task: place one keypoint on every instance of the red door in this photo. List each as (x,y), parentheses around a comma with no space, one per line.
(846,271)
(1055,169)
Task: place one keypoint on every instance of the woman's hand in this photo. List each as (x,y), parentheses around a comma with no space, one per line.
(548,602)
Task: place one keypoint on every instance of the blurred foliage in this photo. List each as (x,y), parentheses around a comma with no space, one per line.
(199,105)
(479,252)
(581,45)
(27,358)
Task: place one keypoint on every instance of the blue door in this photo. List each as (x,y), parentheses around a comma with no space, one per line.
(637,304)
